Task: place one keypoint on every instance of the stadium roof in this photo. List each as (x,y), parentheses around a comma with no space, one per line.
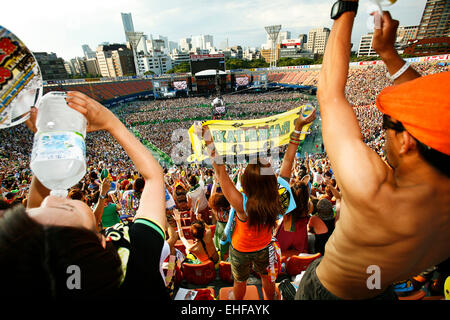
(209,72)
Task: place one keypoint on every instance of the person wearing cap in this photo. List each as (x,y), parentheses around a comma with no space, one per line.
(394,219)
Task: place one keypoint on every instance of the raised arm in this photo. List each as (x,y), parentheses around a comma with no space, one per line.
(286,166)
(229,190)
(384,37)
(177,217)
(100,206)
(358,168)
(37,191)
(152,202)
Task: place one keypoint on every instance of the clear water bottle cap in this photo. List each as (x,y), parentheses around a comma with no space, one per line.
(376,6)
(59,193)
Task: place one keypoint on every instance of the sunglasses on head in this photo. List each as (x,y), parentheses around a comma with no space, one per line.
(389,124)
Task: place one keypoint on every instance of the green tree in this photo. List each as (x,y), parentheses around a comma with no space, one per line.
(259,63)
(181,68)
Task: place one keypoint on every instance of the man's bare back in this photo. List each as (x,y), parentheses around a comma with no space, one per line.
(402,231)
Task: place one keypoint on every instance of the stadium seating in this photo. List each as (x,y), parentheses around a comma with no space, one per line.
(225,271)
(187,232)
(199,274)
(296,79)
(277,292)
(205,294)
(250,294)
(103,91)
(296,264)
(287,254)
(290,76)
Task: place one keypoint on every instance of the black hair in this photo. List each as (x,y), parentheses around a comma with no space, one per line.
(301,196)
(434,158)
(139,184)
(193,180)
(35,259)
(4,205)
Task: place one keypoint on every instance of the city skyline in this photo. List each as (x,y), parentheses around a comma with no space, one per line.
(49,26)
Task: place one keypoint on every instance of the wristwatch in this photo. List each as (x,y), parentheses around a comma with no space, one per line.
(339,7)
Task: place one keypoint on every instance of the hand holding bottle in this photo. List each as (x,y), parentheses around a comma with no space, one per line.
(97,116)
(385,36)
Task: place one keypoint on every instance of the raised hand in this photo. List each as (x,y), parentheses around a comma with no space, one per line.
(385,35)
(104,187)
(176,215)
(31,121)
(98,117)
(302,121)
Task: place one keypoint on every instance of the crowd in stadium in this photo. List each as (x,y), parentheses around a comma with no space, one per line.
(124,183)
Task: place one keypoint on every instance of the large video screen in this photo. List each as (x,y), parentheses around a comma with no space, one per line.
(202,62)
(180,85)
(242,81)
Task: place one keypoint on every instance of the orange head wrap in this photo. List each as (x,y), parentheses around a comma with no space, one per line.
(423,107)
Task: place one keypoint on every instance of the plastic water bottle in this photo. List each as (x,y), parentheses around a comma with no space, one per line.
(377,6)
(307,110)
(58,157)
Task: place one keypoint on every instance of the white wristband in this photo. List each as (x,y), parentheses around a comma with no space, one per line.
(399,72)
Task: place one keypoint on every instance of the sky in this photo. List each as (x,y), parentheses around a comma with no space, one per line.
(64,26)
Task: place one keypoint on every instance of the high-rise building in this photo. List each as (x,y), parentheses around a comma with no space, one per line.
(293,48)
(115,60)
(405,34)
(78,66)
(165,39)
(69,68)
(173,45)
(51,66)
(88,52)
(365,46)
(203,42)
(157,62)
(185,44)
(92,67)
(178,57)
(282,36)
(127,21)
(142,45)
(317,40)
(435,20)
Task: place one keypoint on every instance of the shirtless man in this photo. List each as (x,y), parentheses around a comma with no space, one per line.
(394,221)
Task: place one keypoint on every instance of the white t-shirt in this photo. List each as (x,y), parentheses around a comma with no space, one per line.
(317,177)
(198,194)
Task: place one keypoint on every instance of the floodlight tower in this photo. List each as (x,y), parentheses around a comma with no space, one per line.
(134,38)
(273,32)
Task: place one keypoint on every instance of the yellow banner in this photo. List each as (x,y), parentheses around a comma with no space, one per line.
(240,137)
